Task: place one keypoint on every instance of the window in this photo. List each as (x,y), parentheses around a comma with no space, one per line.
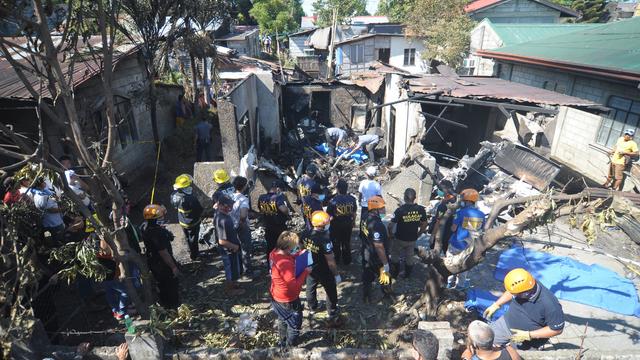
(625,114)
(409,57)
(123,116)
(357,53)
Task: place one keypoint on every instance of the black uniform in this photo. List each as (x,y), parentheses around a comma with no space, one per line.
(408,218)
(342,209)
(319,244)
(189,213)
(304,186)
(225,189)
(309,206)
(373,231)
(275,221)
(440,211)
(156,238)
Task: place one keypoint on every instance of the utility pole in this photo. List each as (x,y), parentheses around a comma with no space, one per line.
(333,38)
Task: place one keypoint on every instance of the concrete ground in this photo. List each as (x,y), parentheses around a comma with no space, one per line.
(608,335)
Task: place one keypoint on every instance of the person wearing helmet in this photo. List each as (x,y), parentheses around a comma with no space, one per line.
(534,313)
(275,212)
(375,249)
(409,220)
(223,186)
(342,209)
(307,181)
(368,188)
(229,247)
(366,142)
(334,137)
(624,152)
(189,212)
(312,203)
(157,241)
(325,270)
(467,221)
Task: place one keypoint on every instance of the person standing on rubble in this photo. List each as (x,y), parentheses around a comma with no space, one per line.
(342,209)
(334,137)
(368,143)
(375,249)
(312,203)
(448,196)
(306,181)
(189,212)
(229,246)
(534,315)
(409,221)
(275,212)
(240,215)
(624,152)
(325,270)
(368,188)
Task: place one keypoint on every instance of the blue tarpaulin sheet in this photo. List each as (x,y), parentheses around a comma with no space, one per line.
(359,156)
(479,300)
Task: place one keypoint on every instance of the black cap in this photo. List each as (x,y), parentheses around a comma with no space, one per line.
(342,186)
(316,189)
(278,184)
(312,169)
(225,200)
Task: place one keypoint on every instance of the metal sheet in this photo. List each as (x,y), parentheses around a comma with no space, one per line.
(526,165)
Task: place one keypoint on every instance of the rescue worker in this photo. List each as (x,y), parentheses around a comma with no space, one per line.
(368,143)
(622,154)
(480,344)
(189,212)
(368,188)
(534,313)
(157,241)
(468,220)
(223,185)
(306,181)
(335,137)
(408,222)
(312,203)
(325,270)
(342,209)
(229,247)
(447,196)
(240,215)
(375,249)
(275,212)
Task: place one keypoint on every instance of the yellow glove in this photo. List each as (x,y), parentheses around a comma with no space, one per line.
(488,313)
(385,278)
(519,336)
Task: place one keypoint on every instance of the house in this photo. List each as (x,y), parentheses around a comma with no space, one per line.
(619,10)
(244,39)
(487,35)
(599,63)
(519,11)
(394,47)
(309,22)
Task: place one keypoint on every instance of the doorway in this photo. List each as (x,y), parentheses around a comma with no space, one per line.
(321,106)
(384,55)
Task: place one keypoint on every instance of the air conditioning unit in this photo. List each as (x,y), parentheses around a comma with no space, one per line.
(469,63)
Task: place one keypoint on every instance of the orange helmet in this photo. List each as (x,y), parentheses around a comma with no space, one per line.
(320,218)
(470,195)
(153,211)
(518,281)
(375,202)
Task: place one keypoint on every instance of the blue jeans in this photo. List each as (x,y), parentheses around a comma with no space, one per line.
(244,233)
(232,264)
(289,321)
(116,294)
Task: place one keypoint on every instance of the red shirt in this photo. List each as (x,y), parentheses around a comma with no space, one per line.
(285,287)
(12,197)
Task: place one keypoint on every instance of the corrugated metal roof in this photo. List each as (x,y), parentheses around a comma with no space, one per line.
(237,36)
(492,88)
(611,47)
(479,5)
(513,34)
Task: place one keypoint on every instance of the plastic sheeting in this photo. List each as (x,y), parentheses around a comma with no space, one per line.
(359,156)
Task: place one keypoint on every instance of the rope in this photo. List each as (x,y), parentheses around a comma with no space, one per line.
(155,175)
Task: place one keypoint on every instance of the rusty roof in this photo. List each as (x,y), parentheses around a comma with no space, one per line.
(492,88)
(13,88)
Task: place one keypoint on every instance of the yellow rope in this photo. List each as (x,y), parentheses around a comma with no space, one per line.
(155,175)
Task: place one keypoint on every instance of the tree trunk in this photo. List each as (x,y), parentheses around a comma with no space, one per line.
(153,108)
(205,86)
(194,78)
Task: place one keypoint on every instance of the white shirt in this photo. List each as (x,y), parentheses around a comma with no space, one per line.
(369,188)
(44,200)
(239,202)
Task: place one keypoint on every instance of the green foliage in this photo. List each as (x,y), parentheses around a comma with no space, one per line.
(395,10)
(592,11)
(345,9)
(281,15)
(445,28)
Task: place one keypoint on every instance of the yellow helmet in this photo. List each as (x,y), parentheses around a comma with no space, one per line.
(153,211)
(518,281)
(375,202)
(220,176)
(320,218)
(182,181)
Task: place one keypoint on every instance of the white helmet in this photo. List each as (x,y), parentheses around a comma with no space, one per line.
(372,171)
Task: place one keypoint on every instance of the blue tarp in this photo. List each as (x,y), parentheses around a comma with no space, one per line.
(359,156)
(479,300)
(572,280)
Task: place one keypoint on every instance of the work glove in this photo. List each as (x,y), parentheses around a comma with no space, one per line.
(338,279)
(385,278)
(488,313)
(520,336)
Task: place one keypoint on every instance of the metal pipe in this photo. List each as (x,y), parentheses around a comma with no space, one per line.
(446,121)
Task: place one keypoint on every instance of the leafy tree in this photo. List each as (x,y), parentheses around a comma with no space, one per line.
(395,10)
(591,11)
(283,15)
(445,28)
(345,8)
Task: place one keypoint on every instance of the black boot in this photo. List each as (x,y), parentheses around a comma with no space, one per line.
(394,269)
(407,271)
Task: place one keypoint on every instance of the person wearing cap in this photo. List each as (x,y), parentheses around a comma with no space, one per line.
(223,185)
(375,249)
(342,209)
(164,267)
(52,221)
(240,216)
(408,222)
(324,270)
(368,143)
(275,212)
(534,313)
(307,181)
(622,155)
(334,137)
(480,344)
(447,196)
(368,188)
(229,246)
(312,203)
(189,212)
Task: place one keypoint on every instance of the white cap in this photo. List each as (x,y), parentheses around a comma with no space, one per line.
(372,171)
(630,132)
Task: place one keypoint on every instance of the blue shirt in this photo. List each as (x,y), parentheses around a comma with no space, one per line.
(309,206)
(342,209)
(304,186)
(44,200)
(203,130)
(468,218)
(543,309)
